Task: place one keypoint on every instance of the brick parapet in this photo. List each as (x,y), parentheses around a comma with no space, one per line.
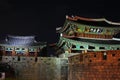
(95,67)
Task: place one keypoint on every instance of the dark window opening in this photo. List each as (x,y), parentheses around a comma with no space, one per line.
(91,47)
(101,47)
(18,58)
(23,48)
(118,48)
(17,48)
(73,46)
(13,58)
(94,55)
(113,55)
(10,48)
(36,59)
(81,47)
(118,59)
(90,60)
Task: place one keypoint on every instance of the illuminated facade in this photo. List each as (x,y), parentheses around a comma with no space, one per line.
(23,54)
(21,46)
(88,49)
(79,35)
(92,47)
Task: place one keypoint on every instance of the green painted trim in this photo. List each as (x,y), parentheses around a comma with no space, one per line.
(86,44)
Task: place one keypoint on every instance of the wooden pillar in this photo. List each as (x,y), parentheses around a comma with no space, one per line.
(27,51)
(3,51)
(36,52)
(13,52)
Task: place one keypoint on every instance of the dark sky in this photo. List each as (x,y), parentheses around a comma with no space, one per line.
(40,18)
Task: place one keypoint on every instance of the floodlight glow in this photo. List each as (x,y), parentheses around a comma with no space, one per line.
(20,40)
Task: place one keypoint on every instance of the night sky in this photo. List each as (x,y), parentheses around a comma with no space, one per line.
(40,18)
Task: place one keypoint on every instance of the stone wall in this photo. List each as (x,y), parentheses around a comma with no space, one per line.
(40,68)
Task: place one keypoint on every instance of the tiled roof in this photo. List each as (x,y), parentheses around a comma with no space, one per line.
(93,21)
(21,41)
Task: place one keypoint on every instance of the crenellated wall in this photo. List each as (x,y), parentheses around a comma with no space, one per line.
(103,65)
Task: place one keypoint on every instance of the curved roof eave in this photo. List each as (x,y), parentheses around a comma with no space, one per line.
(75,18)
(6,43)
(93,41)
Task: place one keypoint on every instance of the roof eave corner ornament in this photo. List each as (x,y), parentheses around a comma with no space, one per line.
(110,22)
(58,29)
(74,18)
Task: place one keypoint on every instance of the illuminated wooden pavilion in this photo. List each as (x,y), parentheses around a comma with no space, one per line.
(21,46)
(80,34)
